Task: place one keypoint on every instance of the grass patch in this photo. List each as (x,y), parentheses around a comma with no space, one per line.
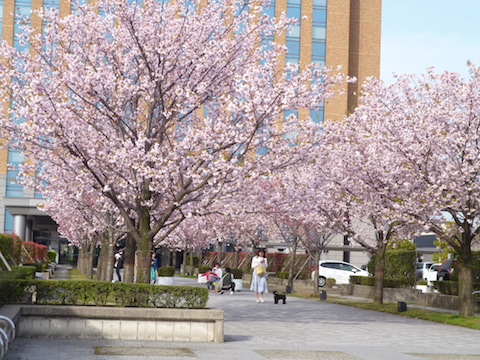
(186,276)
(76,274)
(472,322)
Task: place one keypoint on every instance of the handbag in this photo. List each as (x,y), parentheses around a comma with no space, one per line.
(260,270)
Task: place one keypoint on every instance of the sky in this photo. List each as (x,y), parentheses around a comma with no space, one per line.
(417,34)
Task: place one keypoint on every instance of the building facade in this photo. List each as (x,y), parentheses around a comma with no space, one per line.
(336,33)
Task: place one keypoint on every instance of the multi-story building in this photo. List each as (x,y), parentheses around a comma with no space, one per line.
(342,33)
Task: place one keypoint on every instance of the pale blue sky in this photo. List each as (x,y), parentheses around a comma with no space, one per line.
(417,34)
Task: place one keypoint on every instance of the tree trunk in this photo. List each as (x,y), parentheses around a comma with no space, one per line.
(465,277)
(88,259)
(109,260)
(219,252)
(236,257)
(192,267)
(174,260)
(144,248)
(169,257)
(81,259)
(316,260)
(184,261)
(200,256)
(379,270)
(129,260)
(102,263)
(292,264)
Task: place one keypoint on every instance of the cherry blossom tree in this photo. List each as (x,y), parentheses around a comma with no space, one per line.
(158,108)
(87,221)
(424,132)
(359,177)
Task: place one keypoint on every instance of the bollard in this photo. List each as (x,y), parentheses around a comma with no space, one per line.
(401,306)
(323,295)
(288,289)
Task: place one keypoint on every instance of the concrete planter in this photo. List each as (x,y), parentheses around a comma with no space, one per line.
(238,284)
(164,280)
(94,322)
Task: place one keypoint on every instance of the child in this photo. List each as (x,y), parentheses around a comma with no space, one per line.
(211,278)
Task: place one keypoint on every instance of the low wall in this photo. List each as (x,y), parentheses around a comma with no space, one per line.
(89,322)
(426,299)
(389,294)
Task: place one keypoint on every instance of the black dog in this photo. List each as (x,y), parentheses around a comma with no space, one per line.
(280,297)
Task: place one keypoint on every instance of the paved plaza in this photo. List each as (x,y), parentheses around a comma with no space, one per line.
(301,329)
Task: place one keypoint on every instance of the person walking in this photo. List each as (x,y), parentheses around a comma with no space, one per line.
(259,276)
(118,265)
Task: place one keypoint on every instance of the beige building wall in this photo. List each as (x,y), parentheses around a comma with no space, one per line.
(353,42)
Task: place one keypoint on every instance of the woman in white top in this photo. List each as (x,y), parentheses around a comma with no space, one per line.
(259,280)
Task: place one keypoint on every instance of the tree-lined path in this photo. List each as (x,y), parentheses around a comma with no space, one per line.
(301,329)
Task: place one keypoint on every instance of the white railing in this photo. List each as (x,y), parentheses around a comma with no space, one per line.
(7,334)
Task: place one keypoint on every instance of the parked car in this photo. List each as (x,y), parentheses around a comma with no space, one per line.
(338,270)
(421,269)
(431,274)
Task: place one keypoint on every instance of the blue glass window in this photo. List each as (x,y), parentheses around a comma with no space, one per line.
(319,15)
(8,225)
(74,5)
(293,36)
(293,47)
(294,10)
(15,158)
(22,16)
(51,4)
(269,9)
(317,115)
(319,33)
(318,49)
(319,20)
(1,17)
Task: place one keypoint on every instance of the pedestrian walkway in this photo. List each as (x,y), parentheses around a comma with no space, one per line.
(61,272)
(301,329)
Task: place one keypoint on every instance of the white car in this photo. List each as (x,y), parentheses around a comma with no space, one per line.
(422,268)
(338,270)
(431,274)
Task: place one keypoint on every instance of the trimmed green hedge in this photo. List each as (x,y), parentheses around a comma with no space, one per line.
(282,274)
(387,283)
(27,270)
(399,264)
(166,271)
(11,275)
(52,255)
(203,269)
(237,273)
(39,266)
(450,287)
(67,292)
